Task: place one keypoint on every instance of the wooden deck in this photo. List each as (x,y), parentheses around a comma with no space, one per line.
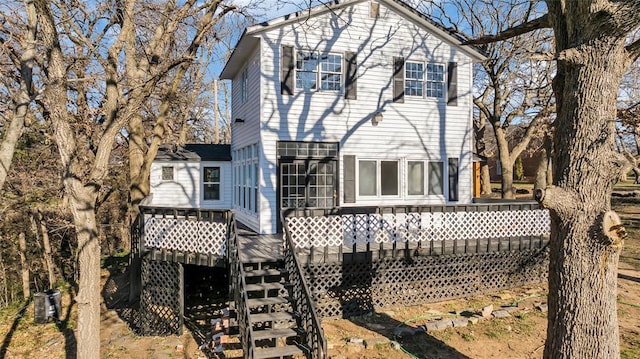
(255,247)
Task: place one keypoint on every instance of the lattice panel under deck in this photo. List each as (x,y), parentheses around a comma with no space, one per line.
(348,289)
(335,230)
(185,235)
(161,298)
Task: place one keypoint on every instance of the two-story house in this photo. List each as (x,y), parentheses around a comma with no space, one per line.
(351,103)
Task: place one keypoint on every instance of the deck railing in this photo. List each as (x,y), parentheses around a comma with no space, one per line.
(239,293)
(421,230)
(192,236)
(314,336)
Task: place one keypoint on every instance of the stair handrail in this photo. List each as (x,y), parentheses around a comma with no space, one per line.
(314,335)
(239,293)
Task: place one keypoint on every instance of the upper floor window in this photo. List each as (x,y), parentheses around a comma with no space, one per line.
(211,183)
(244,86)
(313,69)
(434,86)
(421,80)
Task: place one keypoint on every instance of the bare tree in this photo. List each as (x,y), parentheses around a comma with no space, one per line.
(512,87)
(594,47)
(19,47)
(136,56)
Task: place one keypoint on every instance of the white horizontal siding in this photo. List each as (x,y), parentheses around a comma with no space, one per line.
(419,128)
(185,191)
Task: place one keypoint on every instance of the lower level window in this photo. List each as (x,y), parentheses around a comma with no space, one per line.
(211,182)
(378,178)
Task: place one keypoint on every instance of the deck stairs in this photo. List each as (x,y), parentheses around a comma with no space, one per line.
(276,333)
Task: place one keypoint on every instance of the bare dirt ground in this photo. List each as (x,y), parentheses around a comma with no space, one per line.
(520,336)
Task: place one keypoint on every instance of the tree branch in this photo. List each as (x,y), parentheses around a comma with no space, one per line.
(634,50)
(536,24)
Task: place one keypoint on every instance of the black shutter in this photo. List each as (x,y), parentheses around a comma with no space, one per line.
(398,79)
(351,76)
(349,163)
(287,67)
(453,179)
(452,84)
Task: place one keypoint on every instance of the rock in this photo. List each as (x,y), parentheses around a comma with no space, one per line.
(460,322)
(511,309)
(486,311)
(474,319)
(405,331)
(431,327)
(444,324)
(505,296)
(356,340)
(395,345)
(179,348)
(501,314)
(372,342)
(543,307)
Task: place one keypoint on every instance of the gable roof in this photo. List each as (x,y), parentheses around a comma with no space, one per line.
(194,152)
(248,41)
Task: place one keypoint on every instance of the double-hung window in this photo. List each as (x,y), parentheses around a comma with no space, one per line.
(378,178)
(313,68)
(424,80)
(414,78)
(434,85)
(211,183)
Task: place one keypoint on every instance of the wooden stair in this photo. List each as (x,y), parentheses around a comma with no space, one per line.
(276,333)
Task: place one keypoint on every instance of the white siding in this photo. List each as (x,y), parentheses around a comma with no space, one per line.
(248,132)
(419,128)
(185,191)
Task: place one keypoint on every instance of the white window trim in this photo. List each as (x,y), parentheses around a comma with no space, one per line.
(244,188)
(219,183)
(173,179)
(425,81)
(244,85)
(425,173)
(319,72)
(379,194)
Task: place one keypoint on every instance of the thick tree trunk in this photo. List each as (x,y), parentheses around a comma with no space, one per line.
(485,179)
(88,298)
(22,243)
(585,244)
(541,171)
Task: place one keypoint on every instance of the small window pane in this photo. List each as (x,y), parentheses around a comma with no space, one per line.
(212,192)
(367,178)
(167,173)
(435,80)
(415,178)
(389,178)
(212,174)
(435,178)
(414,77)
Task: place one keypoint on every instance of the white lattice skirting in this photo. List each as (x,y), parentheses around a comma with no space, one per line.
(186,235)
(340,230)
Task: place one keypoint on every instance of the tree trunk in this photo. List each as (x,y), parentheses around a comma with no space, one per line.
(584,245)
(22,243)
(47,249)
(485,179)
(14,131)
(88,298)
(541,171)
